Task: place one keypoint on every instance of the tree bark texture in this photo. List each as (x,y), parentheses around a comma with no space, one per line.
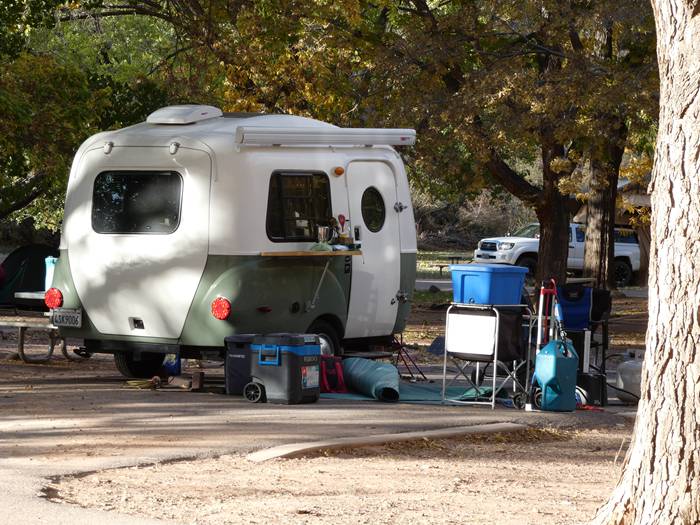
(553,216)
(660,483)
(599,248)
(644,236)
(553,210)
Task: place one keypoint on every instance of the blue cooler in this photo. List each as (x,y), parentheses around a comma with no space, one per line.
(487,283)
(286,367)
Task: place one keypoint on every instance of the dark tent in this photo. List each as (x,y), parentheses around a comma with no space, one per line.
(25,271)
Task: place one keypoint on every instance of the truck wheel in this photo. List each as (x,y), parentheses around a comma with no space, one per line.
(529,262)
(330,343)
(147,367)
(623,273)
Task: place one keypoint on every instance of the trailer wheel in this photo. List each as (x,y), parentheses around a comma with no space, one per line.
(148,366)
(330,343)
(253,392)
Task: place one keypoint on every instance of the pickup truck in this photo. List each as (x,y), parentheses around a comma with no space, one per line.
(521,249)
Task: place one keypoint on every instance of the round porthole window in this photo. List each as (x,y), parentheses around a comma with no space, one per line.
(373,210)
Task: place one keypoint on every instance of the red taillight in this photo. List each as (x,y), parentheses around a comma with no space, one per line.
(53,298)
(221,308)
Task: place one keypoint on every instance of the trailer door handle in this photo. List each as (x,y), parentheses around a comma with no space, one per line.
(357,233)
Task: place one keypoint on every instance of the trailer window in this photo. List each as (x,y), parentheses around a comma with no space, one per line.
(298,202)
(136,202)
(373,210)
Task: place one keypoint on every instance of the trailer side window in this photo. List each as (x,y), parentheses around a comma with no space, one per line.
(298,202)
(373,210)
(136,202)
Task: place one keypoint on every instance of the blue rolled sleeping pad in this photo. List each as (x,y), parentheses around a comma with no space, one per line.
(373,379)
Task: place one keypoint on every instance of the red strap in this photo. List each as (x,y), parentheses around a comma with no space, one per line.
(324,379)
(341,389)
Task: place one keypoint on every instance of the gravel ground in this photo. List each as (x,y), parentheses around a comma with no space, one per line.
(535,476)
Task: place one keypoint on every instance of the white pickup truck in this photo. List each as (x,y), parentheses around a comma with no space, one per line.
(521,249)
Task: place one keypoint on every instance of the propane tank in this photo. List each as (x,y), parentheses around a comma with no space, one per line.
(629,377)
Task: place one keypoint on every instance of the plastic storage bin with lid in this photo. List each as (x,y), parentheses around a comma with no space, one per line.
(494,284)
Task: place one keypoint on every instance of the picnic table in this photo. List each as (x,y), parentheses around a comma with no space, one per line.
(453,259)
(32,320)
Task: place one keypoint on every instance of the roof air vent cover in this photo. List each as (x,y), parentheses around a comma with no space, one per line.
(186,114)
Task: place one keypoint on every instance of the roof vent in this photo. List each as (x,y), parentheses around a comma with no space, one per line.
(186,114)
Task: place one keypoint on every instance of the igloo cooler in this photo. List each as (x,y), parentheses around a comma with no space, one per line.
(284,369)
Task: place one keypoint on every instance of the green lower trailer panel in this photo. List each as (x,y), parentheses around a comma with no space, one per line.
(267,294)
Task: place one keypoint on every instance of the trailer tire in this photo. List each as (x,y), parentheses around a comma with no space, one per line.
(149,365)
(330,342)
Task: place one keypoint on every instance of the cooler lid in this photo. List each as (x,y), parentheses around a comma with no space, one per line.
(240,338)
(488,268)
(286,339)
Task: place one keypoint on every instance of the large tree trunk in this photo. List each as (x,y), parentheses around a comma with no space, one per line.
(553,211)
(553,216)
(661,480)
(599,256)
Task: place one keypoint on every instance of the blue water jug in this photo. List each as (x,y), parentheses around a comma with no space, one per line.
(50,264)
(555,373)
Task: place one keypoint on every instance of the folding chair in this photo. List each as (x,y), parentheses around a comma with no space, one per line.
(584,309)
(484,334)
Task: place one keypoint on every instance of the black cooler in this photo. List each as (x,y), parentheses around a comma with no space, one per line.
(284,369)
(237,364)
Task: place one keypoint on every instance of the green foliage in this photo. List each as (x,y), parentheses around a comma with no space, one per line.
(81,76)
(18,17)
(46,110)
(124,48)
(492,88)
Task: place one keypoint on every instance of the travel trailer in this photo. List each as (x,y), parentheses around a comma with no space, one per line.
(196,225)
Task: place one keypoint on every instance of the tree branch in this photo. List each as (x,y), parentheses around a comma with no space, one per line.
(25,201)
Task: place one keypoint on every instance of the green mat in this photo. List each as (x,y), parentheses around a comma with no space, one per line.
(422,393)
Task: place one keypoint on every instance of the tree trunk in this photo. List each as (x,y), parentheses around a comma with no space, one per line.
(644,236)
(553,216)
(598,245)
(661,480)
(599,248)
(553,211)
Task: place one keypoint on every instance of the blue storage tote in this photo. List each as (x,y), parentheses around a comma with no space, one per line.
(487,283)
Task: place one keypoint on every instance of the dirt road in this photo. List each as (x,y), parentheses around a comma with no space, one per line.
(61,419)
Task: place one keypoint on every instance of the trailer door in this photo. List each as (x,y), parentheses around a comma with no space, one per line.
(138,236)
(375,274)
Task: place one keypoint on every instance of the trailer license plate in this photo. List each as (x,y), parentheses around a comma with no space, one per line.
(67,317)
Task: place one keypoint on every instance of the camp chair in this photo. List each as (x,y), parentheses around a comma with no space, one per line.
(489,335)
(585,310)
